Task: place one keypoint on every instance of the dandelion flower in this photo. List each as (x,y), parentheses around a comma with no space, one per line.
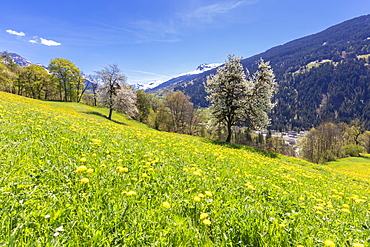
(166,204)
(345,210)
(345,205)
(300,245)
(144,175)
(203,216)
(201,195)
(359,200)
(83,159)
(207,222)
(94,155)
(208,193)
(197,173)
(90,170)
(81,169)
(329,243)
(84,180)
(131,193)
(197,199)
(122,169)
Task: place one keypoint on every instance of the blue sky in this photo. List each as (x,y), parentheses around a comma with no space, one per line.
(154,40)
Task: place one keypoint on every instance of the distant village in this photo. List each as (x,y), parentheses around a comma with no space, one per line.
(291,137)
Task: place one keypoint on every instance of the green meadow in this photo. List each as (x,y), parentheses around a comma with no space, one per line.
(357,167)
(70,177)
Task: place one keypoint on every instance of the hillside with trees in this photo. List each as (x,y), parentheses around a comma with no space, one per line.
(321,77)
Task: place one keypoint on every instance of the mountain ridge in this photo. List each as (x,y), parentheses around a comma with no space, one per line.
(341,44)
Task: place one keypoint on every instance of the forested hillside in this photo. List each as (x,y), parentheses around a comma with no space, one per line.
(321,77)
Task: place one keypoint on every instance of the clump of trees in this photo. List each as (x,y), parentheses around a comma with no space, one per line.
(330,141)
(65,82)
(235,99)
(172,112)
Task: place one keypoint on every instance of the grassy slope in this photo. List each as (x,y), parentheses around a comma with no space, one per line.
(251,198)
(357,167)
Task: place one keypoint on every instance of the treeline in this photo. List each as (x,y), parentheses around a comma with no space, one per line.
(174,112)
(330,141)
(64,81)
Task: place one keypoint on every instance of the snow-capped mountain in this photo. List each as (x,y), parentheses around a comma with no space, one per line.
(150,85)
(201,68)
(21,61)
(183,76)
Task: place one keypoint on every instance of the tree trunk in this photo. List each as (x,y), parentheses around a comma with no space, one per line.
(110,114)
(228,138)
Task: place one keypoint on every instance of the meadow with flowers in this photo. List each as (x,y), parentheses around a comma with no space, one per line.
(70,177)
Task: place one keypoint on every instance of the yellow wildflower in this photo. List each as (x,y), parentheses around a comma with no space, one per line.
(206,222)
(329,243)
(84,180)
(166,204)
(83,159)
(359,200)
(203,216)
(131,193)
(197,199)
(345,210)
(90,170)
(122,169)
(81,169)
(208,193)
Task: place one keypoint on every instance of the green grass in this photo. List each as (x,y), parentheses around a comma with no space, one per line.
(70,177)
(358,167)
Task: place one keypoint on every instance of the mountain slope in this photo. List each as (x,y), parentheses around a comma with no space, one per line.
(21,61)
(342,43)
(183,77)
(71,177)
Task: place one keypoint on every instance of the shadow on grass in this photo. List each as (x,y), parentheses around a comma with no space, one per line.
(103,116)
(237,146)
(364,156)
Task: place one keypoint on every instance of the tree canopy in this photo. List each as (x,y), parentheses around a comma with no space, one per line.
(235,99)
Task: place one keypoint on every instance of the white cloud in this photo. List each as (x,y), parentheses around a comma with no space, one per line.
(15,32)
(33,41)
(49,42)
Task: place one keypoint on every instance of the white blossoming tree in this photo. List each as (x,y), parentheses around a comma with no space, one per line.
(235,99)
(114,93)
